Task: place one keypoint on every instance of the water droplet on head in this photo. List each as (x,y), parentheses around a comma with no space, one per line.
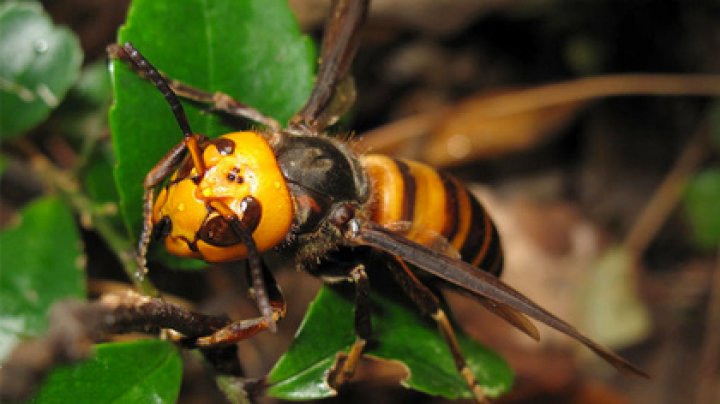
(40,46)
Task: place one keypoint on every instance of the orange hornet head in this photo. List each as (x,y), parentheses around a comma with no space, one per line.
(242,174)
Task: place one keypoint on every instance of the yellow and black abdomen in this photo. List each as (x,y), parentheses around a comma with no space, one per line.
(428,206)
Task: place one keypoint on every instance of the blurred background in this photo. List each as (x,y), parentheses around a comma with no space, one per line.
(603,190)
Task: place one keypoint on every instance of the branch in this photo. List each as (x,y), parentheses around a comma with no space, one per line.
(75,325)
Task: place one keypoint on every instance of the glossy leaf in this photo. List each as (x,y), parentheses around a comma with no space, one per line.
(40,260)
(129,372)
(98,178)
(91,95)
(250,49)
(38,64)
(93,85)
(84,117)
(83,114)
(402,334)
(99,183)
(326,330)
(703,208)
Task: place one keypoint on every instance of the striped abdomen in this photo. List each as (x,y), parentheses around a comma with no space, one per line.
(428,205)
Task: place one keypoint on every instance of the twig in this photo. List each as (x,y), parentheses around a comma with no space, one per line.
(708,389)
(75,325)
(667,195)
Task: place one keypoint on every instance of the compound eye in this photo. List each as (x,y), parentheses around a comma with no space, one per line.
(162,228)
(218,232)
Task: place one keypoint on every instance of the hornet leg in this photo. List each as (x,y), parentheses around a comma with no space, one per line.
(429,304)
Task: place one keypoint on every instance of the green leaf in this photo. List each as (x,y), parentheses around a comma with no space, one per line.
(177,263)
(4,161)
(38,64)
(128,372)
(93,86)
(98,178)
(250,49)
(402,334)
(299,374)
(703,208)
(40,260)
(83,114)
(99,183)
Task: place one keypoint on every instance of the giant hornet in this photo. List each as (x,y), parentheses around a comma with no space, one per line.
(298,192)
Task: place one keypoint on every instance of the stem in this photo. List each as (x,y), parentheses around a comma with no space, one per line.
(668,194)
(710,355)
